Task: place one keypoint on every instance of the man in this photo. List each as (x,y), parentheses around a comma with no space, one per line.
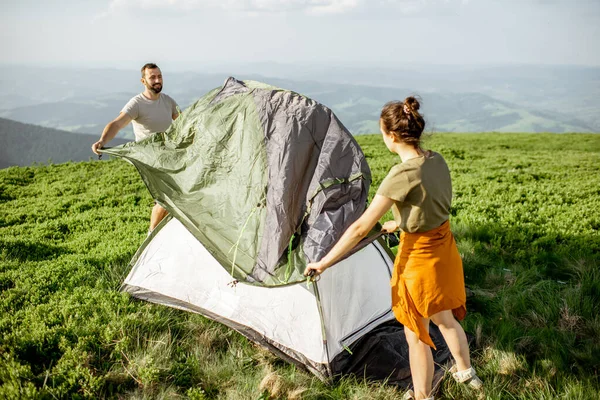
(149,112)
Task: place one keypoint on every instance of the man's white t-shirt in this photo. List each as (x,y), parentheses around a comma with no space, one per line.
(150,116)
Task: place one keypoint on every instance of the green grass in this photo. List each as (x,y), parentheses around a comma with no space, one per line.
(526,216)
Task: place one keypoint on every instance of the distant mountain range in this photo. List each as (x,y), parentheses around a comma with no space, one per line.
(454,99)
(25,144)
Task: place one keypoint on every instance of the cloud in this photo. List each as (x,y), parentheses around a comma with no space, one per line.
(286,6)
(249,6)
(424,6)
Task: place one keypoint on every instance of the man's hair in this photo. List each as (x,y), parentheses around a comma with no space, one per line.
(148,66)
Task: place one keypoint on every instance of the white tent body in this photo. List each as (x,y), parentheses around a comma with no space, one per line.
(307,324)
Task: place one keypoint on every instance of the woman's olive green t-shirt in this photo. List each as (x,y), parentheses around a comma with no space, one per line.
(422,192)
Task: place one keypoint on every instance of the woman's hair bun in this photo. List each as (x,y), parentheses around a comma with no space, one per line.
(412,103)
(403,120)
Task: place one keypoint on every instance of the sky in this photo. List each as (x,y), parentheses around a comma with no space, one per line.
(192,34)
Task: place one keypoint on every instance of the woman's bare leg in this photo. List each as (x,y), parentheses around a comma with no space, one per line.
(455,338)
(421,363)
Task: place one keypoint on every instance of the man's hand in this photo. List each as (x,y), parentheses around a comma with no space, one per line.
(111,130)
(389,227)
(96,146)
(314,269)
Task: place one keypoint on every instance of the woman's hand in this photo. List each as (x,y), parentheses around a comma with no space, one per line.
(389,227)
(355,232)
(314,269)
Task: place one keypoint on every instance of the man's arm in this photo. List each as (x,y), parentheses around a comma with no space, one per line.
(111,130)
(175,113)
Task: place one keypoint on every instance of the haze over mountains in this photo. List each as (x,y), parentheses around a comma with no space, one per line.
(457,99)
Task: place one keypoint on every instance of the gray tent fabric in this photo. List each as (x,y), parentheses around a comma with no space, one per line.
(265,178)
(317,174)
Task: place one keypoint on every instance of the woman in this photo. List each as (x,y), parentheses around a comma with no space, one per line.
(427,283)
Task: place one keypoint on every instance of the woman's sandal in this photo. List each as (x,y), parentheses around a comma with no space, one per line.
(468,377)
(410,395)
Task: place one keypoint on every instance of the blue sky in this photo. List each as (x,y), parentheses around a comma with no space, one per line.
(387,33)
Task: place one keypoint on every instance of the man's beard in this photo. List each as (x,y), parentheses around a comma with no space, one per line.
(156,88)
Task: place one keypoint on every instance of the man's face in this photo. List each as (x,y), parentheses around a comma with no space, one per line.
(153,80)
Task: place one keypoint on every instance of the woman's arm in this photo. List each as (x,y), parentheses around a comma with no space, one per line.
(354,234)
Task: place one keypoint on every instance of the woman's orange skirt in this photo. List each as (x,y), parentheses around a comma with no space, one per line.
(428,278)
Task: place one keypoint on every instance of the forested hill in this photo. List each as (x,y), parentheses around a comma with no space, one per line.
(25,144)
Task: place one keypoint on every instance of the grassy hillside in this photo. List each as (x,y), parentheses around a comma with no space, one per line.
(526,216)
(25,144)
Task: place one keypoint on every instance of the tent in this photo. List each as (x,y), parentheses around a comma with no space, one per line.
(258,181)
